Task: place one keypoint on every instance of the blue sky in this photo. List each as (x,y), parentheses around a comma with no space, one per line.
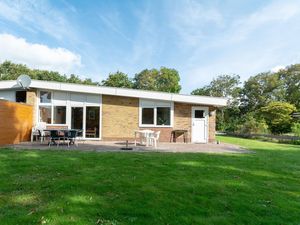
(201,39)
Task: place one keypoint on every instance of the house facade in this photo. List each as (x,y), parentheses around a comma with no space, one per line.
(108,113)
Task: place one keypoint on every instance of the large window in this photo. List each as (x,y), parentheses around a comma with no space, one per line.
(155,114)
(148,116)
(45,97)
(52,110)
(45,114)
(92,121)
(163,116)
(59,114)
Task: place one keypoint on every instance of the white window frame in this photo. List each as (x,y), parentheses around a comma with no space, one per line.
(143,103)
(51,104)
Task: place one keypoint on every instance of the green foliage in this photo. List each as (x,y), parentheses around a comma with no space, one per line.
(11,71)
(227,86)
(291,79)
(261,89)
(278,116)
(252,125)
(118,79)
(165,79)
(204,91)
(222,86)
(296,129)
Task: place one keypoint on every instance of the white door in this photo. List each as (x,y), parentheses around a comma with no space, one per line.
(199,124)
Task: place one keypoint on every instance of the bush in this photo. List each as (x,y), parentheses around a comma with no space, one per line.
(252,126)
(296,129)
(278,116)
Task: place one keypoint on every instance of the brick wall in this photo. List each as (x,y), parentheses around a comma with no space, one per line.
(31,99)
(183,121)
(15,122)
(120,117)
(212,125)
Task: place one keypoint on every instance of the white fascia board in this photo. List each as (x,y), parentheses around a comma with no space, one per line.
(8,84)
(50,85)
(203,100)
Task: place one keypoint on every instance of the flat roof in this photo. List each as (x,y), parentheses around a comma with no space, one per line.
(90,89)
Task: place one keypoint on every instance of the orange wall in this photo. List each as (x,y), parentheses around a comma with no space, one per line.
(15,122)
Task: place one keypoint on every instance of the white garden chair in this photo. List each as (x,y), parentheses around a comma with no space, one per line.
(154,139)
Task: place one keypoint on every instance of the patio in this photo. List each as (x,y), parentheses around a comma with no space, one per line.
(109,146)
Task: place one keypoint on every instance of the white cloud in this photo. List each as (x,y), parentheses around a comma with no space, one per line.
(36,15)
(245,43)
(191,20)
(38,56)
(277,68)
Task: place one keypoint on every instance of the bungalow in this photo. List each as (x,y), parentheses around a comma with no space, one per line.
(108,113)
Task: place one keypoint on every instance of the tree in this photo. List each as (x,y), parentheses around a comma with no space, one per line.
(118,79)
(168,80)
(291,78)
(11,71)
(278,116)
(224,86)
(146,80)
(261,89)
(165,79)
(204,91)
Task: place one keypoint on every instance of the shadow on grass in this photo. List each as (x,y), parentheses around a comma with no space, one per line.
(73,187)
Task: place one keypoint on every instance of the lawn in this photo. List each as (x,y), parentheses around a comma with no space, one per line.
(73,187)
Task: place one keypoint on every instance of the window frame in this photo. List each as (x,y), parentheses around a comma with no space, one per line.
(143,103)
(52,119)
(52,105)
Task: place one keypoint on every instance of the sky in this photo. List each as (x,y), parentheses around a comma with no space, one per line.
(201,39)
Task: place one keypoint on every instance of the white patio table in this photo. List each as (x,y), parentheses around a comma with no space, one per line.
(143,135)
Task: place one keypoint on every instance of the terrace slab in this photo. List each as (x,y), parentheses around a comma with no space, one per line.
(103,146)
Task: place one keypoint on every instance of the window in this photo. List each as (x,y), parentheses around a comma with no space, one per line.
(45,114)
(59,114)
(148,116)
(199,114)
(155,113)
(163,115)
(21,96)
(45,97)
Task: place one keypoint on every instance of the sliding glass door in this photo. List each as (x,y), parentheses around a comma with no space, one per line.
(87,119)
(92,122)
(77,119)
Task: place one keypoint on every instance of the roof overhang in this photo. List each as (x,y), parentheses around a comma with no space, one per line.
(89,89)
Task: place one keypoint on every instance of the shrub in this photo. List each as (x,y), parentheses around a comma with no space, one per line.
(278,116)
(296,129)
(253,126)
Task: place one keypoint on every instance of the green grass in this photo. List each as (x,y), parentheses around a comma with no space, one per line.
(73,187)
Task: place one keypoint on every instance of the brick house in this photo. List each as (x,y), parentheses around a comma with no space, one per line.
(108,113)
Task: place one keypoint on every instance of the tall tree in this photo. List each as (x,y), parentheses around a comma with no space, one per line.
(224,86)
(118,79)
(168,80)
(278,116)
(165,79)
(261,89)
(291,78)
(11,71)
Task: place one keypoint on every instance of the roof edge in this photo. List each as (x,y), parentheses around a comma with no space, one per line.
(126,92)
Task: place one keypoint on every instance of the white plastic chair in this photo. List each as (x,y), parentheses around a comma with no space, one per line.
(144,136)
(40,127)
(154,138)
